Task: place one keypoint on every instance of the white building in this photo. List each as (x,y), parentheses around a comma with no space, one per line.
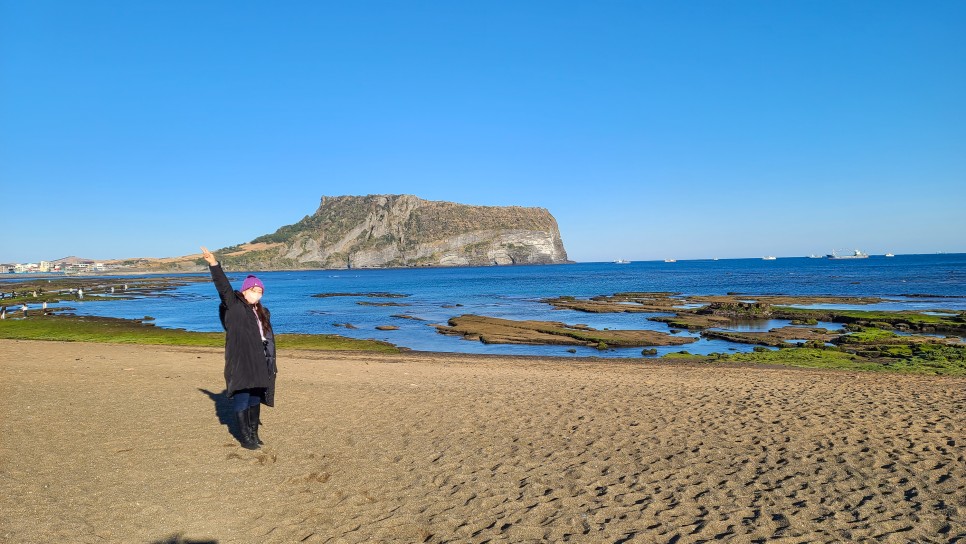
(76,268)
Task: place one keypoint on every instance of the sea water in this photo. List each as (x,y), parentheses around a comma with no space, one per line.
(434,295)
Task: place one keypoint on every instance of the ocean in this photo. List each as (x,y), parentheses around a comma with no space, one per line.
(434,295)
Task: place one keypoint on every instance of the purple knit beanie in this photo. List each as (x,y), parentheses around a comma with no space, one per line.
(252,281)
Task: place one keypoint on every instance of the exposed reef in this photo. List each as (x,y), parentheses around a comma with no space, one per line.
(676,302)
(869,339)
(492,330)
(776,337)
(368,295)
(76,288)
(701,312)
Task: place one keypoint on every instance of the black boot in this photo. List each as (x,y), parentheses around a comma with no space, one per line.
(254,422)
(245,431)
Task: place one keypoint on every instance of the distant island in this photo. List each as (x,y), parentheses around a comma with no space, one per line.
(383,231)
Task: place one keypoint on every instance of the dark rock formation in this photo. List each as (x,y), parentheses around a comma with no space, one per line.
(493,330)
(403,230)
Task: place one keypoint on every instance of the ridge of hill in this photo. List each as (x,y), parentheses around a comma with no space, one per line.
(377,231)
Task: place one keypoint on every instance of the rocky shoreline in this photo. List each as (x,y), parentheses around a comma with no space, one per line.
(928,341)
(870,339)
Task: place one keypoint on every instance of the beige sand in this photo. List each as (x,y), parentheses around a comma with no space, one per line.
(107,443)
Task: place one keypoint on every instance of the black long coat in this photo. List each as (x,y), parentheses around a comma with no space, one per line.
(246,366)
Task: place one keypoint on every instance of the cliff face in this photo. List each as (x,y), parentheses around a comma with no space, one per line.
(403,230)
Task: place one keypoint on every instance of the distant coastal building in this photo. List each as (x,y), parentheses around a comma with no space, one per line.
(78,268)
(84,267)
(70,265)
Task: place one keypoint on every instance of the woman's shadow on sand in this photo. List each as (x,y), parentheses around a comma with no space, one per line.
(224,411)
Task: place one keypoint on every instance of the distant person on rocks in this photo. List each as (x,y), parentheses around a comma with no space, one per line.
(24,308)
(80,293)
(250,367)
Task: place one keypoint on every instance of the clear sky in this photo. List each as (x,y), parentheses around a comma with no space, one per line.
(649,129)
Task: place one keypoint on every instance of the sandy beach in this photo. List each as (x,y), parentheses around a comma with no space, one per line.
(122,443)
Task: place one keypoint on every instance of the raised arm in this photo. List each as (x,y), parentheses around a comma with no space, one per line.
(225,290)
(208,256)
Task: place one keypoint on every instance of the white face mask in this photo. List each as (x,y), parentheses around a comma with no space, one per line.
(252,296)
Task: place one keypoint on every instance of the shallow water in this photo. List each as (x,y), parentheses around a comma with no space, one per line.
(437,294)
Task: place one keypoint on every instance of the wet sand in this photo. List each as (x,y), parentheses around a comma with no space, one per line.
(116,443)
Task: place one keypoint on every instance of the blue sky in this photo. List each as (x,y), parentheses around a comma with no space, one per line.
(650,130)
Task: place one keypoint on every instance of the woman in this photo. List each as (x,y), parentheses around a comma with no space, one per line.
(249,349)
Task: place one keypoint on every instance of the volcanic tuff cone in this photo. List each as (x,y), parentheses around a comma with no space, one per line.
(403,230)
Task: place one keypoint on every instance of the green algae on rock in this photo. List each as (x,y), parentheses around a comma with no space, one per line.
(492,330)
(71,328)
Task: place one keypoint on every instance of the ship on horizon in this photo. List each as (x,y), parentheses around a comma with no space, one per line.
(855,255)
